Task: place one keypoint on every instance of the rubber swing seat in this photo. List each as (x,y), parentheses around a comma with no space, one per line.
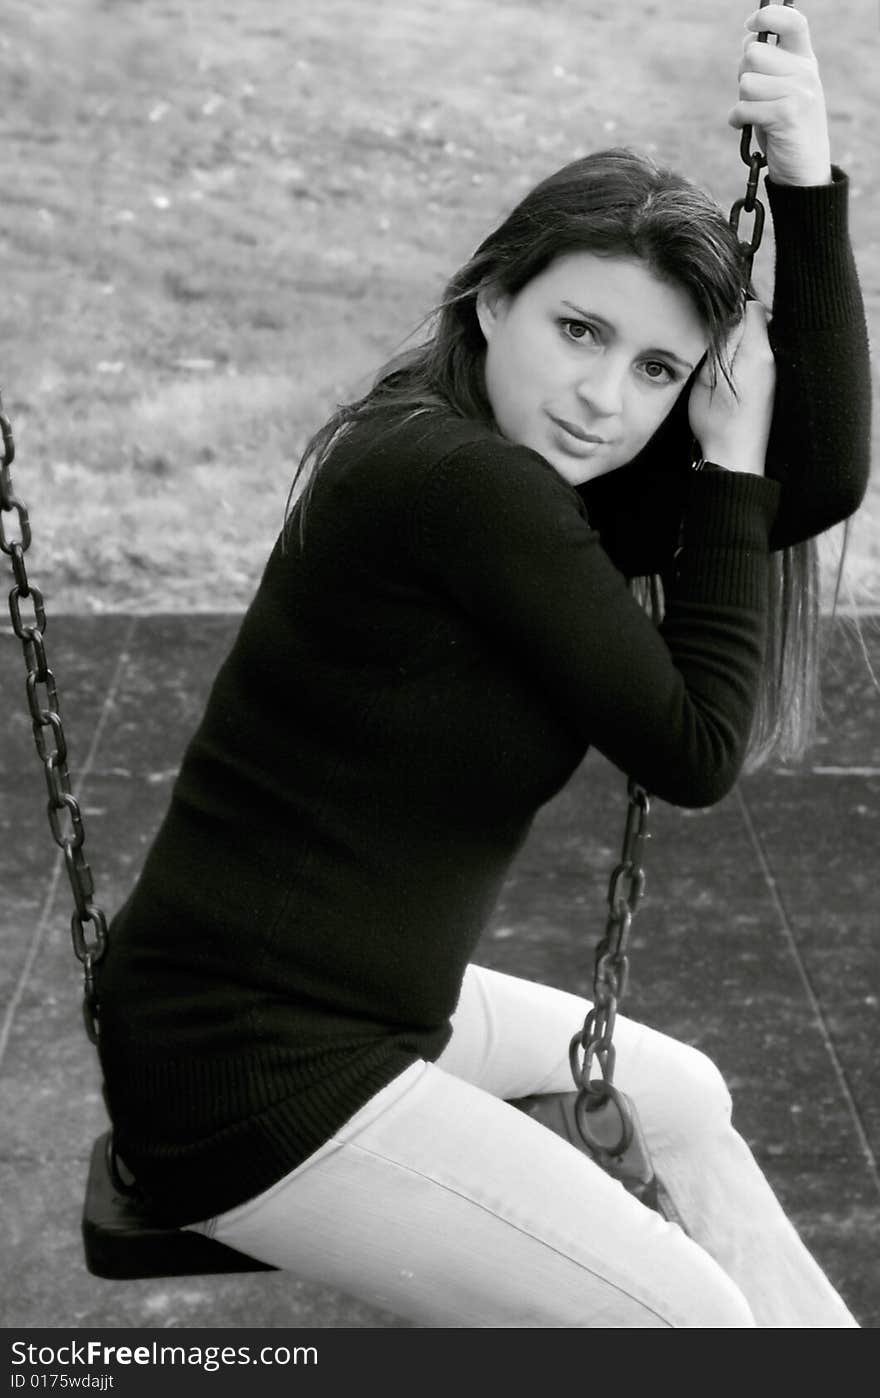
(123,1242)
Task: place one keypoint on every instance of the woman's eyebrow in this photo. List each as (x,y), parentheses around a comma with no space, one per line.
(606,324)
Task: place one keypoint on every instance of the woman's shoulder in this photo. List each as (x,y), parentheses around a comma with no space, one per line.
(420,480)
(417,438)
(409,451)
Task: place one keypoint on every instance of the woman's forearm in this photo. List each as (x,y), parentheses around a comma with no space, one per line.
(819,446)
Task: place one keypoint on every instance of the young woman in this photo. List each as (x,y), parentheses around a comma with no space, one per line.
(299,1058)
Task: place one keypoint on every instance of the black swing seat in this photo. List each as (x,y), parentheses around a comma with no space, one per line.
(123,1242)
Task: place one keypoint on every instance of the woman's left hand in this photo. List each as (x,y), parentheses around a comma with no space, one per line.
(780,94)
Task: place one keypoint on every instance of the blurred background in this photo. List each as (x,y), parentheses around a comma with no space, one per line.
(218,219)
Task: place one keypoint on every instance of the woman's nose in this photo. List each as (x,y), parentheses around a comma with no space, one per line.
(601,386)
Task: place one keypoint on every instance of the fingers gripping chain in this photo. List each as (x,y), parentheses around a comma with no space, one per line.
(750,203)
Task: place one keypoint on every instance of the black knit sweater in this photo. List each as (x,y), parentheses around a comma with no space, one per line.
(407,688)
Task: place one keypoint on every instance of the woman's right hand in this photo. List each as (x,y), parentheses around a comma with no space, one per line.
(732,428)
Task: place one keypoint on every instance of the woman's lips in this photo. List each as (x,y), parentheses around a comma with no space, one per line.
(579,433)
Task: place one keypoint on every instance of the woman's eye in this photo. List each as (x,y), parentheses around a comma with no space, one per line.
(658,372)
(577,329)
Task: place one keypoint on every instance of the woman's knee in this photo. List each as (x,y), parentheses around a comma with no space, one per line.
(720,1305)
(683,1092)
(703,1083)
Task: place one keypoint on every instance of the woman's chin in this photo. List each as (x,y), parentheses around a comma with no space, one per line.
(577,470)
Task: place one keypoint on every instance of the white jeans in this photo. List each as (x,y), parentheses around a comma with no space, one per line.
(444,1204)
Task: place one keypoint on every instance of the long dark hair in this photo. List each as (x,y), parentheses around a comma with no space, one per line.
(613,202)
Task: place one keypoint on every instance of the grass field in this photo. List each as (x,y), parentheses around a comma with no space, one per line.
(217,219)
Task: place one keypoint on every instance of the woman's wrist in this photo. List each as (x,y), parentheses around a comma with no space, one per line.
(732,463)
(813,178)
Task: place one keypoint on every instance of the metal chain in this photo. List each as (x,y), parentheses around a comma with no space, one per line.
(65,817)
(750,203)
(593,1044)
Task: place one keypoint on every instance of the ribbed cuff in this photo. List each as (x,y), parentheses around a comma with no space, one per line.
(815,280)
(725,538)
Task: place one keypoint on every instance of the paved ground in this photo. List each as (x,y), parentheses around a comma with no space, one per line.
(757,941)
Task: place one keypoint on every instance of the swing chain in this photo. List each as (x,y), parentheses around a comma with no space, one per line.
(611,968)
(750,203)
(594,1042)
(627,885)
(65,817)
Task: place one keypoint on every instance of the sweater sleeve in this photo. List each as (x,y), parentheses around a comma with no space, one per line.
(819,446)
(502,535)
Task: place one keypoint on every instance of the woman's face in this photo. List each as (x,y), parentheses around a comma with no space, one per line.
(585,362)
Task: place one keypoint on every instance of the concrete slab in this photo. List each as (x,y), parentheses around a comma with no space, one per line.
(756,941)
(47,1285)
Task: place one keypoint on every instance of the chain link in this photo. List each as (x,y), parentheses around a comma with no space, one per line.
(750,203)
(65,817)
(593,1044)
